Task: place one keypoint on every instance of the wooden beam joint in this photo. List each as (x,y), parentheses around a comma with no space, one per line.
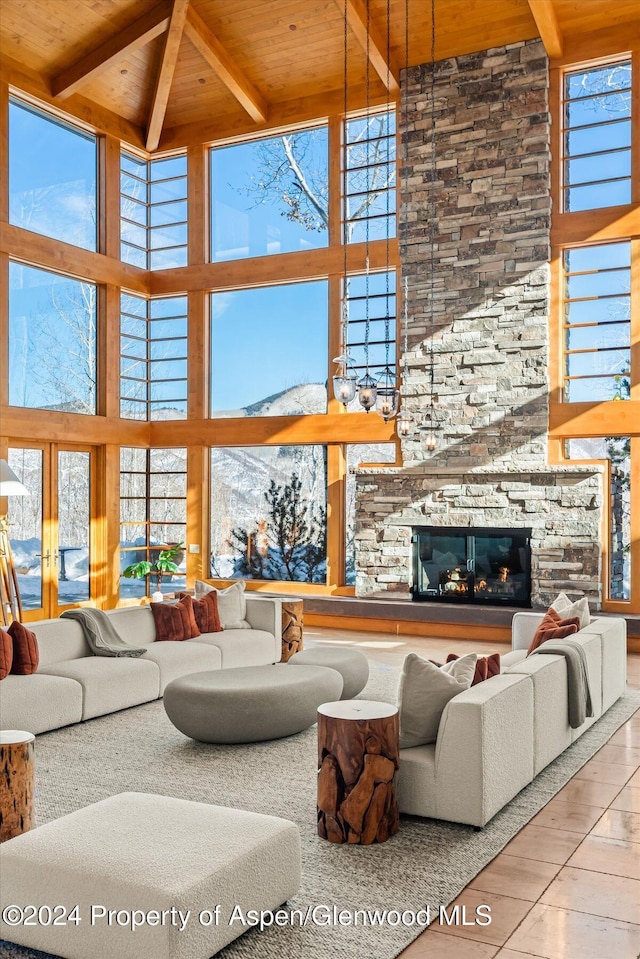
(548,26)
(372,42)
(164,79)
(112,51)
(209,47)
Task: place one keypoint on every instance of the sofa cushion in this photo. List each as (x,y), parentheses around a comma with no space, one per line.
(175,622)
(205,611)
(567,610)
(134,623)
(110,684)
(510,659)
(553,627)
(232,604)
(59,640)
(39,703)
(6,653)
(486,667)
(178,659)
(25,649)
(425,690)
(551,729)
(241,647)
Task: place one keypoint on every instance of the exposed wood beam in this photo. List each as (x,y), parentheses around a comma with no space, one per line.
(166,71)
(112,51)
(548,26)
(208,45)
(91,114)
(371,40)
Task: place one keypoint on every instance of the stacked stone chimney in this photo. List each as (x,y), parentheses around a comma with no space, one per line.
(489,327)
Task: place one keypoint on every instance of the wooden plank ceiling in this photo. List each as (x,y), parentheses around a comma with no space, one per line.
(162,66)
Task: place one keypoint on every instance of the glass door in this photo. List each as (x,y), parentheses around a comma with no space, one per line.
(29,535)
(51,529)
(73,532)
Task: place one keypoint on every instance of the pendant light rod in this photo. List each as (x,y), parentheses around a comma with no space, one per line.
(405,419)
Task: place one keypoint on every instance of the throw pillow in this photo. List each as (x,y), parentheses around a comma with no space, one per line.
(205,611)
(232,604)
(6,653)
(175,621)
(424,692)
(486,667)
(553,627)
(25,650)
(563,605)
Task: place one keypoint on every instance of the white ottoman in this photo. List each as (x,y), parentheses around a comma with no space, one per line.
(148,853)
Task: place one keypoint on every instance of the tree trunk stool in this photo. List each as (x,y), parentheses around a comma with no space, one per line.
(17,774)
(358,756)
(149,854)
(352,665)
(292,615)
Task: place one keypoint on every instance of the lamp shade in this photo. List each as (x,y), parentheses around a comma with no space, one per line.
(10,485)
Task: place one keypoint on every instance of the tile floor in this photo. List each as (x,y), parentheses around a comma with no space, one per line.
(568,885)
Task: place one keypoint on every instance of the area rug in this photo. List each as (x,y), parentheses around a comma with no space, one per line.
(427,863)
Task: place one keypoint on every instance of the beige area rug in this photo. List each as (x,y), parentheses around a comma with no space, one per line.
(427,863)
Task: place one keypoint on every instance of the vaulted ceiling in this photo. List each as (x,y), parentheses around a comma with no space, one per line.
(229,66)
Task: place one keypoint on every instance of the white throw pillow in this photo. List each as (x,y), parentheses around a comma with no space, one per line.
(568,610)
(425,689)
(232,604)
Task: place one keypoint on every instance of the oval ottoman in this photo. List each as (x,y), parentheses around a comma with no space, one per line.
(249,704)
(352,665)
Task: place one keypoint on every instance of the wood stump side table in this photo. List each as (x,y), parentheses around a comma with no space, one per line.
(292,613)
(17,775)
(358,756)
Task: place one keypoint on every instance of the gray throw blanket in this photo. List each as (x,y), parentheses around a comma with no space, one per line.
(100,634)
(579,694)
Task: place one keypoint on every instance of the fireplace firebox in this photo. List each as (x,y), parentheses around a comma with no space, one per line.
(470,565)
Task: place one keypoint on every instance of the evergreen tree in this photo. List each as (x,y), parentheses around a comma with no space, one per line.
(290,544)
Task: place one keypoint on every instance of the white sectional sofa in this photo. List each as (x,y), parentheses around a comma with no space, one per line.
(71,684)
(494,738)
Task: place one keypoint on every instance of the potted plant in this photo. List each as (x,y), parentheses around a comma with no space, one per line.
(163,565)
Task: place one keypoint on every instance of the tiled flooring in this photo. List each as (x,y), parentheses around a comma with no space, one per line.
(568,885)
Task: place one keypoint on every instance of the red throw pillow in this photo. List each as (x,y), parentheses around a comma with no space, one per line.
(6,653)
(553,627)
(175,621)
(205,611)
(486,667)
(25,650)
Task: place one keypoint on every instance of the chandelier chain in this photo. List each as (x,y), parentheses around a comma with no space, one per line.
(432,204)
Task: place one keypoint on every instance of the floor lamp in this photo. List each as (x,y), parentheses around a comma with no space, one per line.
(10,485)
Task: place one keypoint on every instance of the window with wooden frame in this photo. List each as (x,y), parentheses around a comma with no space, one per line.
(153,357)
(597,322)
(52,176)
(269,513)
(371,324)
(153,211)
(270,195)
(596,115)
(369,177)
(52,341)
(153,512)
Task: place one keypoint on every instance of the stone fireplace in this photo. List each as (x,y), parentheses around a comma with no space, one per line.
(490,333)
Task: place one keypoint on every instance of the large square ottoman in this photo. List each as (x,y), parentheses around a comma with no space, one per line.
(137,855)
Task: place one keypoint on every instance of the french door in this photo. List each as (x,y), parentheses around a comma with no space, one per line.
(52,530)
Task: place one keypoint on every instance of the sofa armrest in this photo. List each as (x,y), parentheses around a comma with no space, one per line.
(523,627)
(265,612)
(484,750)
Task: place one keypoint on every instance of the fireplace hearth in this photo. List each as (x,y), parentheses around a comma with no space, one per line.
(491,567)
